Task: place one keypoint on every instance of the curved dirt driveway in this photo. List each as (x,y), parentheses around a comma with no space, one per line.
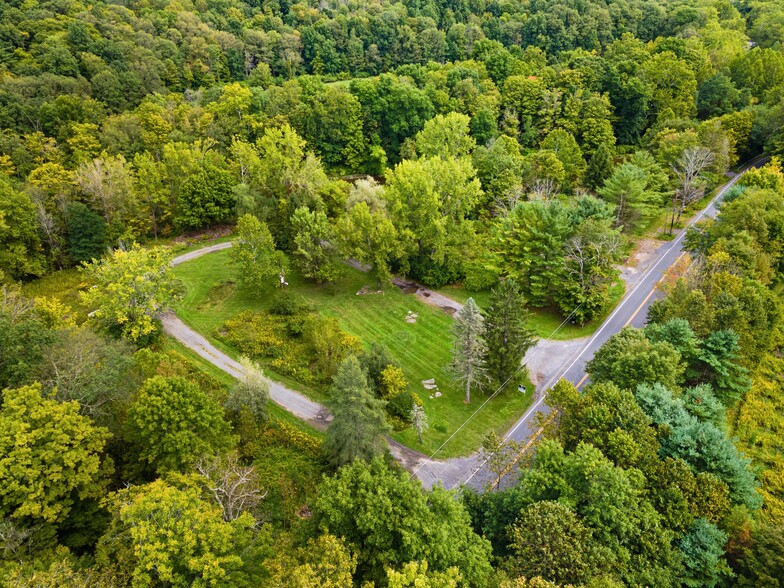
(297,404)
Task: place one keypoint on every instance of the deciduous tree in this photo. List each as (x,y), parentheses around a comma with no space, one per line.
(314,251)
(387,512)
(172,423)
(21,252)
(129,288)
(254,255)
(251,392)
(550,541)
(164,535)
(629,358)
(50,456)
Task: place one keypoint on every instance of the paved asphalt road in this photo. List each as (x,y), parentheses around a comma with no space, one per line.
(632,310)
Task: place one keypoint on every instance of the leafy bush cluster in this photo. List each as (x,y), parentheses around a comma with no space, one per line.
(302,345)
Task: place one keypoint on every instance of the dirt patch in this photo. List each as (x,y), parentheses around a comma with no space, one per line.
(203,236)
(639,260)
(365,290)
(449,306)
(646,248)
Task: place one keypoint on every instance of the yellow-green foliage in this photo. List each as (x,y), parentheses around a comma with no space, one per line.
(53,313)
(760,430)
(176,538)
(288,435)
(275,341)
(49,455)
(325,562)
(129,289)
(393,381)
(265,338)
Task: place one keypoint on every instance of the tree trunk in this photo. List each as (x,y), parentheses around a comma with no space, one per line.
(468,391)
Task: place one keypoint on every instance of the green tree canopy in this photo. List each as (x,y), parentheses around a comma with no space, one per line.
(130,288)
(446,137)
(314,251)
(164,535)
(172,423)
(628,358)
(254,255)
(469,355)
(528,247)
(550,541)
(21,253)
(50,456)
(507,334)
(386,514)
(359,425)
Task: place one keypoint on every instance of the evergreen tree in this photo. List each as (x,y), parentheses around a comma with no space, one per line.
(85,233)
(359,426)
(628,190)
(702,548)
(529,247)
(470,350)
(599,167)
(507,336)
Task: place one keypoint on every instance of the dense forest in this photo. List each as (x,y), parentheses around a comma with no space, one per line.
(516,148)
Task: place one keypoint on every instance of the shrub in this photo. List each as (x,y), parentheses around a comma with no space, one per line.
(393,382)
(254,334)
(284,303)
(399,406)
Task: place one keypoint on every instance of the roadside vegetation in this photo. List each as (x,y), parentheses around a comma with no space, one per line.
(509,154)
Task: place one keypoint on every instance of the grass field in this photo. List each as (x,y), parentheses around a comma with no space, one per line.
(423,348)
(547,323)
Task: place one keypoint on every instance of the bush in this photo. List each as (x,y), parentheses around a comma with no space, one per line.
(286,304)
(399,406)
(304,346)
(434,274)
(393,381)
(373,362)
(478,277)
(254,334)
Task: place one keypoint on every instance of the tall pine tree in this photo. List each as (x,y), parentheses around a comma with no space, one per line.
(468,359)
(359,425)
(507,336)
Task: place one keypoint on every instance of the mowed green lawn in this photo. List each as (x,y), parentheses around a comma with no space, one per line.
(422,349)
(546,323)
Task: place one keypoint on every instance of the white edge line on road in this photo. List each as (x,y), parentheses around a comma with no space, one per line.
(626,298)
